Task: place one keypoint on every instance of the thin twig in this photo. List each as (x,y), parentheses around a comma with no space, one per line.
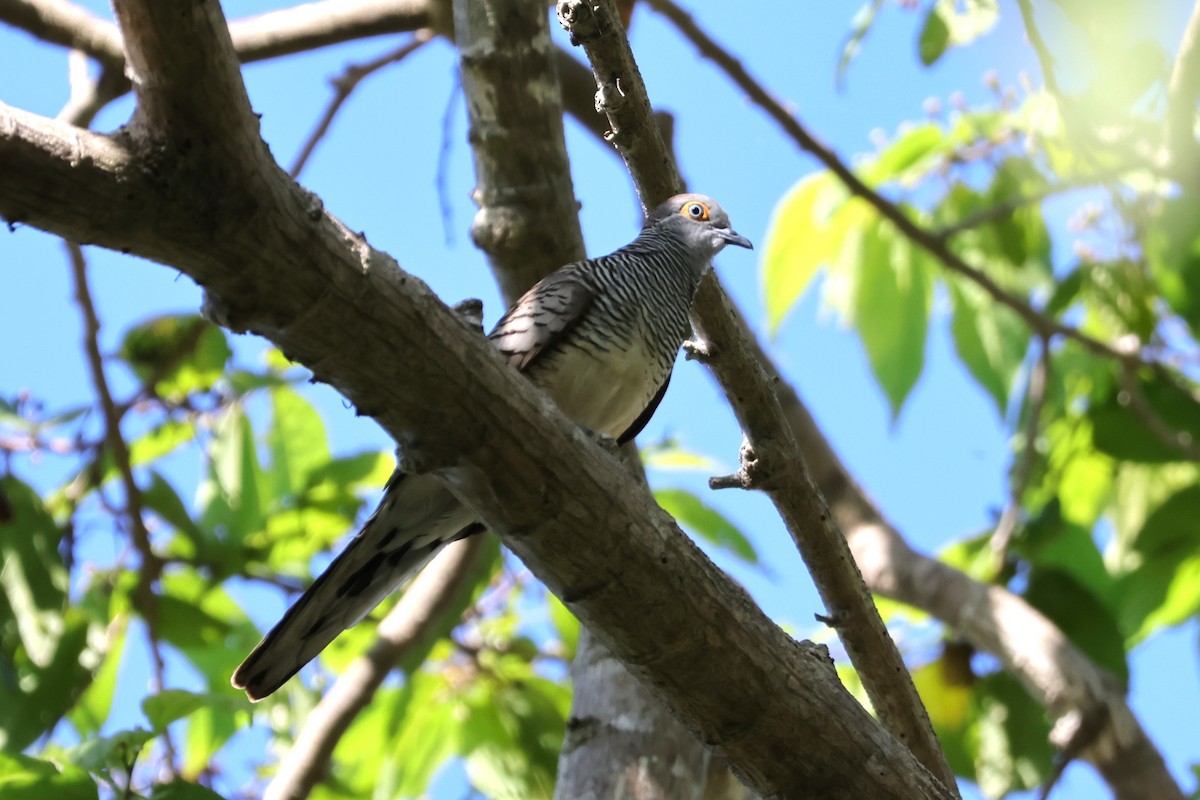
(151,565)
(443,160)
(1040,323)
(1006,207)
(1035,402)
(345,84)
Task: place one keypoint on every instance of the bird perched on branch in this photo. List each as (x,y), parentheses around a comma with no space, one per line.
(600,336)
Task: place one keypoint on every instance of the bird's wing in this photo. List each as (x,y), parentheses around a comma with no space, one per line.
(542,317)
(417,517)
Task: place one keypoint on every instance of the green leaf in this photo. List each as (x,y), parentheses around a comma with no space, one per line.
(105,753)
(671,455)
(1066,291)
(49,649)
(802,235)
(1123,432)
(231,494)
(1020,236)
(179,789)
(1010,737)
(208,729)
(910,155)
(26,778)
(859,27)
(934,37)
(399,744)
(161,498)
(297,442)
(1081,616)
(954,22)
(990,339)
(565,625)
(708,523)
(159,441)
(512,738)
(1172,250)
(171,704)
(181,354)
(206,624)
(1170,530)
(368,470)
(1052,545)
(892,299)
(1161,593)
(89,713)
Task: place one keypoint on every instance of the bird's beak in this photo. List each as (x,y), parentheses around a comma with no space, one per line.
(733,237)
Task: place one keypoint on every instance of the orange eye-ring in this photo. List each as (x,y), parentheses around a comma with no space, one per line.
(695,211)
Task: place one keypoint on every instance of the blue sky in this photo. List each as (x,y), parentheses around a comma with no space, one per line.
(938,472)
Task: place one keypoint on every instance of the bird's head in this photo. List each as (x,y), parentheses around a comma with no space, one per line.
(699,221)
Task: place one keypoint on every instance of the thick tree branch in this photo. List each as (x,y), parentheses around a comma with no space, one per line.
(618,561)
(278,33)
(779,467)
(320,24)
(528,220)
(432,596)
(66,24)
(621,742)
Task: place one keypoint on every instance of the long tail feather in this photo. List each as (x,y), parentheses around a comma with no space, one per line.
(417,517)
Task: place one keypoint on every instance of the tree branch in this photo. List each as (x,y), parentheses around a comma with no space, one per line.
(150,565)
(930,242)
(1057,674)
(618,561)
(435,594)
(779,467)
(277,33)
(345,84)
(620,741)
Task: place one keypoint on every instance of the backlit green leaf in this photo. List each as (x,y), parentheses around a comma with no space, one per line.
(892,300)
(990,339)
(708,523)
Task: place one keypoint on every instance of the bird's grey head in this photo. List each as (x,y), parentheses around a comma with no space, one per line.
(699,221)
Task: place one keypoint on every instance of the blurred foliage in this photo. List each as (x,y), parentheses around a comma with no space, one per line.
(1104,474)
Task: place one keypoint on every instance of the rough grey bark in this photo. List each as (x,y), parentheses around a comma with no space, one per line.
(616,749)
(191,184)
(771,461)
(1059,676)
(528,226)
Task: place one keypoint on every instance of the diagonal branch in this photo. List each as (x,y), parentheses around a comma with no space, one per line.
(931,242)
(1064,680)
(619,562)
(779,468)
(150,567)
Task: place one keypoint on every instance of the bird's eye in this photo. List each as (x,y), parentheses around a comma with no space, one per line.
(696,211)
